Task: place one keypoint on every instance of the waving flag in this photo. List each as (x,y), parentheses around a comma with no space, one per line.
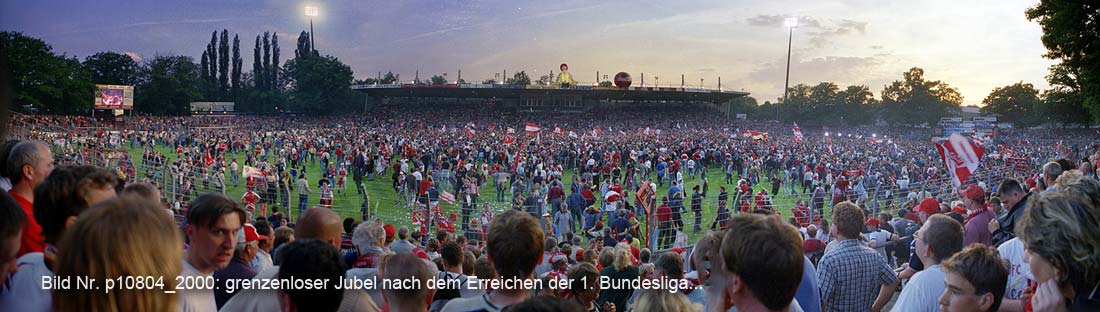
(511,130)
(961,157)
(447,197)
(558,131)
(509,140)
(470,132)
(532,128)
(797,133)
(572,134)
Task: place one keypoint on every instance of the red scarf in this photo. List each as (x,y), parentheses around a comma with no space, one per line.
(977,212)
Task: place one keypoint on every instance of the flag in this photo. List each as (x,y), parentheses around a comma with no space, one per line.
(511,131)
(249,171)
(572,134)
(210,159)
(531,128)
(222,146)
(509,140)
(447,197)
(557,130)
(961,157)
(444,129)
(470,132)
(797,133)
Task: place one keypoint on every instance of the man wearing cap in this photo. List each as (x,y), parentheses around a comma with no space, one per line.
(978,216)
(939,239)
(879,239)
(240,267)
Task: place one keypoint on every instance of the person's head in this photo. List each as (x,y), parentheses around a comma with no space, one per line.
(591,256)
(1075,183)
(452,255)
(644,255)
(811,231)
(1061,234)
(349,226)
(938,239)
(248,243)
(975,279)
(670,265)
(402,268)
(700,259)
(67,192)
(29,163)
(584,282)
(319,223)
(123,236)
(143,189)
(12,221)
(623,257)
(1011,192)
(368,235)
(663,300)
(607,257)
(263,228)
(311,259)
(403,233)
(763,256)
(484,269)
(514,244)
(1051,171)
(211,227)
(550,244)
(563,67)
(847,220)
(973,197)
(995,204)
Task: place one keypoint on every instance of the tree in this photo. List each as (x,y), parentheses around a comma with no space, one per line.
(858,104)
(169,85)
(212,55)
(266,77)
(544,80)
(915,101)
(237,63)
(204,66)
(489,81)
(1016,103)
(43,81)
(1071,30)
(257,68)
(320,85)
(606,84)
(438,80)
(273,76)
(742,105)
(305,48)
(112,68)
(390,78)
(519,78)
(223,66)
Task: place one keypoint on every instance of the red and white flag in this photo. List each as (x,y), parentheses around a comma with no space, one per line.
(572,134)
(470,132)
(509,140)
(961,157)
(532,128)
(511,130)
(797,133)
(447,197)
(558,131)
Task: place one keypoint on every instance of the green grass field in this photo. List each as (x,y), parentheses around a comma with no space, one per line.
(384,199)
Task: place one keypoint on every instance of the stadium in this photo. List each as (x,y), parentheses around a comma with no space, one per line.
(192,182)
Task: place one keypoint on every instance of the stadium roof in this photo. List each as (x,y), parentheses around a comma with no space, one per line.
(517,91)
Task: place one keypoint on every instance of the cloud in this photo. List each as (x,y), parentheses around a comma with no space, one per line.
(134,55)
(820,30)
(777,21)
(766,81)
(186,21)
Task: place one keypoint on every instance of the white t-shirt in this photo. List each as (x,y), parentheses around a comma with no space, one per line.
(1019,272)
(923,291)
(196,300)
(880,237)
(24,291)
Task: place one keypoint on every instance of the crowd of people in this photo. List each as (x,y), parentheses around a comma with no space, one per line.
(597,208)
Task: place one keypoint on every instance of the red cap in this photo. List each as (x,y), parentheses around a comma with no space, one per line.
(580,253)
(974,192)
(872,221)
(420,253)
(678,250)
(929,206)
(250,234)
(390,231)
(959,210)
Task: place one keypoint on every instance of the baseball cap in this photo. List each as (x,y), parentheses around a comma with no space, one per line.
(959,210)
(872,221)
(929,206)
(250,234)
(974,192)
(390,231)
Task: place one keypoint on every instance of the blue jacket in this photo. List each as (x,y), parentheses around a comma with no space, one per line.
(575,202)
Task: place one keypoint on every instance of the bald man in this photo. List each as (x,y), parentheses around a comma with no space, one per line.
(315,223)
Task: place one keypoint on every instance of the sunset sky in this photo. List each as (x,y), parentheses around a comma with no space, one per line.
(974,45)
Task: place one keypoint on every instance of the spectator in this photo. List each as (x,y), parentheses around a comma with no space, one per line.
(61,197)
(978,216)
(315,260)
(584,285)
(1061,233)
(663,300)
(1014,197)
(12,222)
(620,270)
(283,235)
(975,280)
(452,272)
(514,247)
(263,254)
(401,268)
(761,264)
(402,243)
(101,244)
(1051,171)
(240,268)
(212,224)
(850,273)
(939,239)
(28,164)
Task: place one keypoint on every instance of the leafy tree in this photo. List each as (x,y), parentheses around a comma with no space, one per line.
(212,55)
(169,85)
(859,104)
(544,80)
(112,68)
(489,81)
(266,76)
(305,48)
(237,63)
(606,84)
(438,80)
(204,66)
(274,71)
(257,67)
(43,81)
(915,101)
(320,85)
(742,105)
(390,78)
(519,78)
(1071,31)
(1016,103)
(223,66)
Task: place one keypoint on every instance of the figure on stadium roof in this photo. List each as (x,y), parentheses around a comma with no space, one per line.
(564,78)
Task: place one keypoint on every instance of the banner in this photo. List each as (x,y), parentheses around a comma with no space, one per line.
(531,128)
(797,133)
(961,157)
(558,131)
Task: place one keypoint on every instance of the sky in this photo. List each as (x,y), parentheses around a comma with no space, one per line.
(973,45)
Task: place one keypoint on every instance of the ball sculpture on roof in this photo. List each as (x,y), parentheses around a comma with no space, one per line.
(622,80)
